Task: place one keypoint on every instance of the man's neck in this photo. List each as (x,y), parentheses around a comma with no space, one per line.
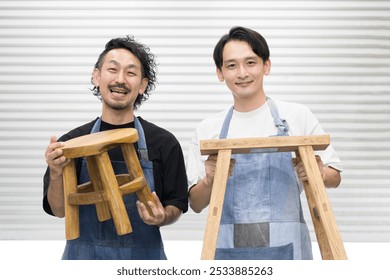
(117,117)
(248,105)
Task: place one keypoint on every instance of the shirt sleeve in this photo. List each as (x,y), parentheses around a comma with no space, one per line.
(195,162)
(174,185)
(328,156)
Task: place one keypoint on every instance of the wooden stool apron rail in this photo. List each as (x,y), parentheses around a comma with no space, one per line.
(105,189)
(328,236)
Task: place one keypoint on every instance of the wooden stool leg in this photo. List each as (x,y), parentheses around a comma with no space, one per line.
(72,224)
(114,196)
(216,204)
(102,208)
(135,171)
(328,236)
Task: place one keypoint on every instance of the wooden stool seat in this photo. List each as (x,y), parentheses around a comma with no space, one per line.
(328,236)
(105,189)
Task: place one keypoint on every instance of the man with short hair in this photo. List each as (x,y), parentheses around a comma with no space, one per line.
(262,216)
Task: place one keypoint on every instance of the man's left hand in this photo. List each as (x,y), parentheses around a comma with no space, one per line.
(157,210)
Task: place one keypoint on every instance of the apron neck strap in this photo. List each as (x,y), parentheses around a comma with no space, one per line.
(280,124)
(142,148)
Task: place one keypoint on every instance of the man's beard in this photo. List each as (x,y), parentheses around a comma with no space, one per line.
(118,106)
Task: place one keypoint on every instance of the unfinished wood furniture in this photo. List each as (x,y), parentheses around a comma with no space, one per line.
(328,236)
(105,189)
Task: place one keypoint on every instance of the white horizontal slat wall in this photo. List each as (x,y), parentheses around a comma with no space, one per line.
(333,56)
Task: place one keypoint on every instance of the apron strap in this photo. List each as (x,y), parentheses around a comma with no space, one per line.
(97,125)
(142,149)
(226,124)
(280,124)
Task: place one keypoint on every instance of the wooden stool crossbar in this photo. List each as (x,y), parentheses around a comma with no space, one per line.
(328,236)
(105,189)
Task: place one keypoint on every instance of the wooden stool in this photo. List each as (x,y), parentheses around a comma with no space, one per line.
(328,236)
(105,189)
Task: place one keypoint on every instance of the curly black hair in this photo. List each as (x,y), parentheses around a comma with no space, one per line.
(142,52)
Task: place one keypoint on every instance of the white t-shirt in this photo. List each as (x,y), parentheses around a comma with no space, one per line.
(257,123)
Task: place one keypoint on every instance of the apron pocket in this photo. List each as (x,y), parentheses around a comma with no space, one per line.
(285,252)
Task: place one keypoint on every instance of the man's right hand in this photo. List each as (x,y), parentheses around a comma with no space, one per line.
(54,158)
(210,165)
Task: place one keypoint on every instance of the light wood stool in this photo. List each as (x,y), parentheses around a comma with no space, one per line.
(328,236)
(105,189)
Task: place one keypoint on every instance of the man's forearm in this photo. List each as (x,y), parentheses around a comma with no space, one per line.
(55,197)
(199,195)
(172,214)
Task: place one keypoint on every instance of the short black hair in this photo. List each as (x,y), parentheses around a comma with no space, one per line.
(254,39)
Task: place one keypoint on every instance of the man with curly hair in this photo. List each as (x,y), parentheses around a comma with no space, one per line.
(123,76)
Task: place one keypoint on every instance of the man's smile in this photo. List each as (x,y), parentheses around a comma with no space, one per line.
(118,90)
(243,83)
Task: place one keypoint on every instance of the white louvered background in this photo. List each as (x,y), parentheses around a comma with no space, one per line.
(333,56)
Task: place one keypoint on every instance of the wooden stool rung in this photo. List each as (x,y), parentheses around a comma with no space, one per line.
(133,186)
(87,198)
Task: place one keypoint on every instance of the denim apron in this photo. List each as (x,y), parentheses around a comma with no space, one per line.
(99,240)
(262,216)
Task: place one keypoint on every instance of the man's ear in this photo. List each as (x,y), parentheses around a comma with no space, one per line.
(220,74)
(267,67)
(96,77)
(143,85)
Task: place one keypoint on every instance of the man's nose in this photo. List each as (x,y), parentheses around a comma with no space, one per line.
(242,72)
(120,77)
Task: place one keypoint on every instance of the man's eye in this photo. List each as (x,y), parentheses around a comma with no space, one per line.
(231,66)
(112,70)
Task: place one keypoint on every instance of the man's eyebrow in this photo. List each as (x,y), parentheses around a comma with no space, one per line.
(228,61)
(245,58)
(113,61)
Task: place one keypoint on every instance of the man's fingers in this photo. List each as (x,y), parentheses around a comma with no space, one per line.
(294,161)
(156,208)
(53,139)
(157,200)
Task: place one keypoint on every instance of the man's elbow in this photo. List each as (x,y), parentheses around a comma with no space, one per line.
(333,178)
(195,208)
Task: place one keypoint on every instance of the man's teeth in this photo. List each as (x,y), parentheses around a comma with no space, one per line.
(119,91)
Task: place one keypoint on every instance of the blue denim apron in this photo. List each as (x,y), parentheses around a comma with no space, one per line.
(262,216)
(99,240)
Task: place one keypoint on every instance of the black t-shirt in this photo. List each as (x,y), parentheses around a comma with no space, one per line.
(164,151)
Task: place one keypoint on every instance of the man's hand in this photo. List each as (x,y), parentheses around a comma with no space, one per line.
(210,165)
(330,176)
(162,215)
(157,210)
(54,158)
(56,162)
(300,169)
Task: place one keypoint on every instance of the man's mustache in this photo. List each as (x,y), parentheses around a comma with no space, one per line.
(119,86)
